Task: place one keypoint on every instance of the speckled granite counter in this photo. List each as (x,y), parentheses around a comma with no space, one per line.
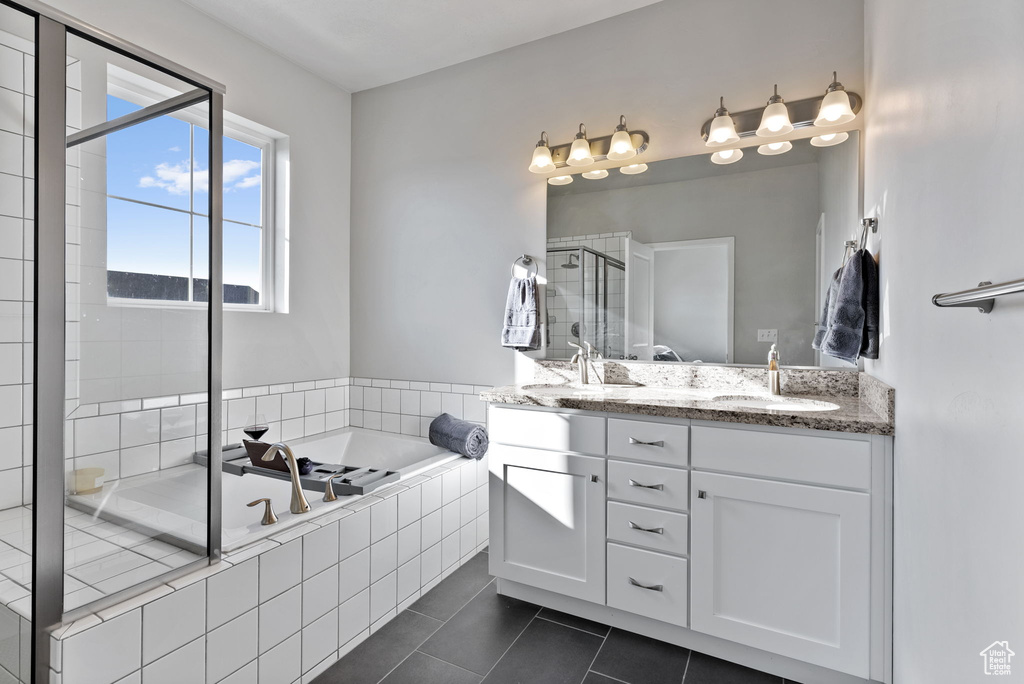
(865,405)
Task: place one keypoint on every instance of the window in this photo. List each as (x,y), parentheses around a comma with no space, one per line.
(157,203)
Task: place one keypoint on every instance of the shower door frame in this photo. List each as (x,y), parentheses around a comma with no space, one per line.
(48,373)
(608,262)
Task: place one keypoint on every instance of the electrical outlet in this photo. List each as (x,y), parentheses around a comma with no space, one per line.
(771,335)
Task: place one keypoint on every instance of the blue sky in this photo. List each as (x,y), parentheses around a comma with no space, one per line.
(150,162)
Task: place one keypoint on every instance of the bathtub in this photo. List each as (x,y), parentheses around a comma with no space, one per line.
(171,505)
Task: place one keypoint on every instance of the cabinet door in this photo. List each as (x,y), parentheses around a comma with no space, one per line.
(548,520)
(782,567)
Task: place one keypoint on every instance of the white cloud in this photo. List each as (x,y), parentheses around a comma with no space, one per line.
(174,149)
(174,178)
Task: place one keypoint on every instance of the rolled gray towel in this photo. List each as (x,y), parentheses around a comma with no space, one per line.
(460,436)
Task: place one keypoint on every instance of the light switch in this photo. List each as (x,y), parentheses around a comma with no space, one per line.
(771,335)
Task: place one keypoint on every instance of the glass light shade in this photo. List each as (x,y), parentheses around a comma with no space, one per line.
(722,131)
(775,148)
(726,156)
(596,174)
(560,180)
(774,121)
(542,160)
(835,109)
(830,139)
(621,146)
(579,153)
(633,169)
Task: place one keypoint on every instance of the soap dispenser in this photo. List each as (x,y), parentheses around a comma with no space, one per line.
(774,383)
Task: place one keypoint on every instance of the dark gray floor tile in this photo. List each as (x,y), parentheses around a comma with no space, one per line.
(371,660)
(640,660)
(704,669)
(594,678)
(573,621)
(480,633)
(422,669)
(455,591)
(547,653)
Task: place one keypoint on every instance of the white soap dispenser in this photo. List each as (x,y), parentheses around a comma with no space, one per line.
(774,383)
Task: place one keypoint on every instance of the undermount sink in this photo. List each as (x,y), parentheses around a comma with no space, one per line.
(783,404)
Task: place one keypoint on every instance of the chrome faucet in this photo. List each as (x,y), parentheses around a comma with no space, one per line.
(582,360)
(299,503)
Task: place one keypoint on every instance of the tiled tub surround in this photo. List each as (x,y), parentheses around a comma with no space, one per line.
(284,609)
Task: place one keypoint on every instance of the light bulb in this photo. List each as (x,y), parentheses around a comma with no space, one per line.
(775,148)
(596,174)
(726,156)
(775,119)
(621,146)
(560,180)
(835,107)
(722,130)
(579,153)
(542,162)
(633,169)
(830,139)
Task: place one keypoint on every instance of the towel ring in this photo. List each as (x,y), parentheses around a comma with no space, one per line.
(526,260)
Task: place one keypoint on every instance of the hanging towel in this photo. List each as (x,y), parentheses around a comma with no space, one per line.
(522,324)
(826,309)
(851,326)
(460,436)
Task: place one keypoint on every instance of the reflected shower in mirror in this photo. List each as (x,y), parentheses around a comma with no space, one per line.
(700,262)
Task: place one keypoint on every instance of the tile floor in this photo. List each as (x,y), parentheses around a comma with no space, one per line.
(463,632)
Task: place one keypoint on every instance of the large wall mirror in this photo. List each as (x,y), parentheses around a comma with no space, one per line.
(699,262)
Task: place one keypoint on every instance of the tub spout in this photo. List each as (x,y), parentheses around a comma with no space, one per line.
(299,503)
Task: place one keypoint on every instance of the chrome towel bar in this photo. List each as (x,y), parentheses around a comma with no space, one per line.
(983,297)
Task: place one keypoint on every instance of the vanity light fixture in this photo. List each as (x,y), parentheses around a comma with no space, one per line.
(595,174)
(621,146)
(727,156)
(560,180)
(542,162)
(579,153)
(633,169)
(775,120)
(830,139)
(723,129)
(775,148)
(835,107)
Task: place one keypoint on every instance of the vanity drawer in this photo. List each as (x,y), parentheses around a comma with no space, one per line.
(547,430)
(648,484)
(830,461)
(658,530)
(664,577)
(646,441)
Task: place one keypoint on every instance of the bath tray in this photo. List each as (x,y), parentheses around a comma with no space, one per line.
(351,480)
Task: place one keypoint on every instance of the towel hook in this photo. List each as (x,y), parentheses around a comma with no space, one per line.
(526,260)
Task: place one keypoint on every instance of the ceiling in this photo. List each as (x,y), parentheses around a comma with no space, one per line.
(360,44)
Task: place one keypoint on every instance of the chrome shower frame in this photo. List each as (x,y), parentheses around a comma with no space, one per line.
(580,254)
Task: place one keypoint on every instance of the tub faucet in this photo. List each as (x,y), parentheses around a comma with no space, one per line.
(299,503)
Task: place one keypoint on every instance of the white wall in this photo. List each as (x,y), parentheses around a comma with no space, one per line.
(442,200)
(311,341)
(944,170)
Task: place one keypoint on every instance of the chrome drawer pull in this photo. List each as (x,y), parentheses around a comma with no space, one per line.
(634,483)
(648,587)
(652,530)
(634,440)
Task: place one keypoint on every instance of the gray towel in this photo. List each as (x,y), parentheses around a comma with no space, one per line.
(522,324)
(460,436)
(850,326)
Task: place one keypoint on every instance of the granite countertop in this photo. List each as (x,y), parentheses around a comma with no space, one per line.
(858,413)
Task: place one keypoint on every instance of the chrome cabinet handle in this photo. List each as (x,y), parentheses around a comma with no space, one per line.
(652,530)
(701,494)
(648,587)
(659,443)
(634,483)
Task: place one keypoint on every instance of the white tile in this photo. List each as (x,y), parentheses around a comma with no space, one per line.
(482,529)
(400,384)
(12,69)
(452,404)
(354,616)
(354,533)
(187,664)
(334,420)
(95,435)
(383,519)
(371,399)
(408,542)
(431,495)
(319,640)
(139,427)
(231,646)
(462,389)
(372,420)
(410,425)
(283,663)
(355,397)
(173,621)
(451,518)
(383,557)
(416,385)
(280,569)
(353,575)
(293,428)
(177,422)
(467,504)
(315,401)
(391,422)
(319,550)
(105,653)
(246,675)
(451,550)
(137,460)
(231,593)
(305,385)
(383,596)
(430,529)
(440,387)
(269,407)
(383,620)
(292,405)
(335,399)
(409,578)
(473,408)
(320,594)
(176,453)
(408,506)
(468,474)
(391,401)
(451,488)
(314,425)
(279,618)
(467,538)
(11,362)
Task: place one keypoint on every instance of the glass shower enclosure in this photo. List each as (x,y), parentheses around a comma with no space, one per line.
(110,182)
(585,302)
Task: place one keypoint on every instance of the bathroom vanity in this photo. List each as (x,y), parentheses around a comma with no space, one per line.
(697,516)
